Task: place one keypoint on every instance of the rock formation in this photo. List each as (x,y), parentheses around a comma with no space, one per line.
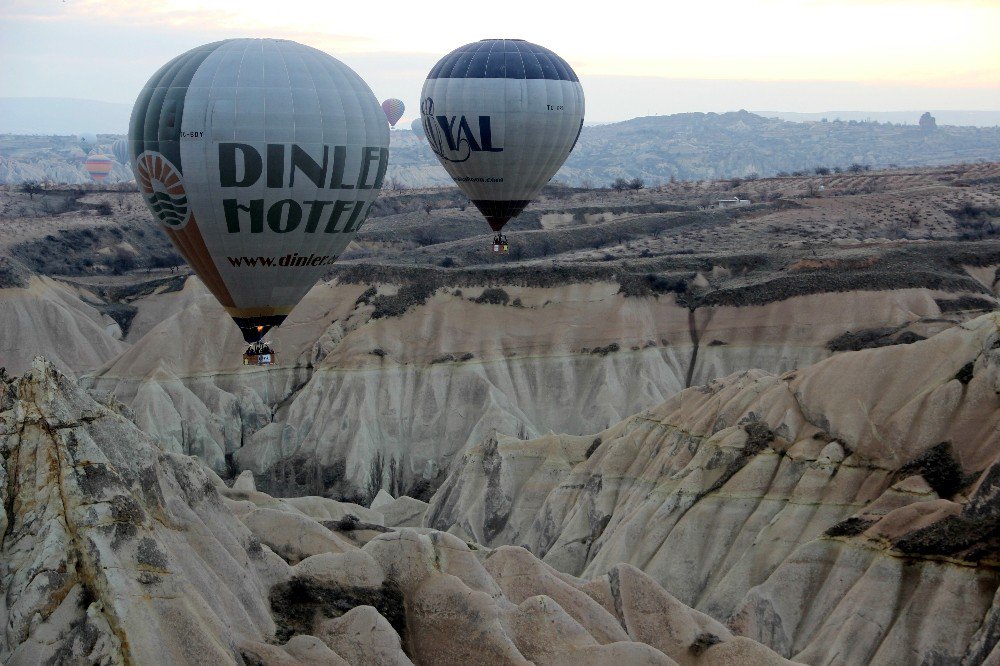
(390,368)
(46,316)
(112,551)
(419,387)
(116,552)
(841,513)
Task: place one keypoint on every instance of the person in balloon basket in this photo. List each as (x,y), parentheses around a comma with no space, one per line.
(259,353)
(500,244)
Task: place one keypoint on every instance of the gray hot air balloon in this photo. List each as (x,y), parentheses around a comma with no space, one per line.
(418,128)
(502,115)
(88,141)
(120,150)
(260,158)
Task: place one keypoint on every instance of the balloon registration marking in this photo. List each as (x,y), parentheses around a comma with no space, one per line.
(163,188)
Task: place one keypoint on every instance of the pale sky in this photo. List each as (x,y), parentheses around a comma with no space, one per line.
(634,58)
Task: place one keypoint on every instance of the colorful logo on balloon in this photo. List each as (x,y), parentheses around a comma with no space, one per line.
(163,187)
(452,137)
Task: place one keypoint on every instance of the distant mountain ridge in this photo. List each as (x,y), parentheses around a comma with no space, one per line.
(943,116)
(685,146)
(64,115)
(736,144)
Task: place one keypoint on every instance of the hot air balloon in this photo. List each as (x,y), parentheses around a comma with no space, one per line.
(260,158)
(87,141)
(120,150)
(418,128)
(502,115)
(393,109)
(98,166)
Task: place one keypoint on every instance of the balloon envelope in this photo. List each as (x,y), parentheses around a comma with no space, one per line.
(120,150)
(87,141)
(393,109)
(418,128)
(502,115)
(98,166)
(260,159)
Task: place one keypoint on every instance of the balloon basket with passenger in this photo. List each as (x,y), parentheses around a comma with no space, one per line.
(500,244)
(260,352)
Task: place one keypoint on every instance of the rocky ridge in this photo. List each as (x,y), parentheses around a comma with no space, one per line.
(841,513)
(400,361)
(418,387)
(116,552)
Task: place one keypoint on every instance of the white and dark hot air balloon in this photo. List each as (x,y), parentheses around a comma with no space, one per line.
(87,141)
(417,126)
(502,115)
(260,158)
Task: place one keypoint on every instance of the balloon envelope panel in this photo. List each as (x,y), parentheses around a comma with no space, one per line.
(502,116)
(260,158)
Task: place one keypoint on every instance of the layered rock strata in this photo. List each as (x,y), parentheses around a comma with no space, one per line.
(115,552)
(414,389)
(842,513)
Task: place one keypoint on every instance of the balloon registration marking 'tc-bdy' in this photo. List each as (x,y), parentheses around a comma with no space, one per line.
(260,158)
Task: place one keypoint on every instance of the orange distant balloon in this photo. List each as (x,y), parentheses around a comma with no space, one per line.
(99,166)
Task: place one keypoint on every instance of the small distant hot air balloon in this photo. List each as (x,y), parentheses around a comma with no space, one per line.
(120,150)
(259,200)
(418,128)
(98,166)
(393,109)
(502,115)
(87,141)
